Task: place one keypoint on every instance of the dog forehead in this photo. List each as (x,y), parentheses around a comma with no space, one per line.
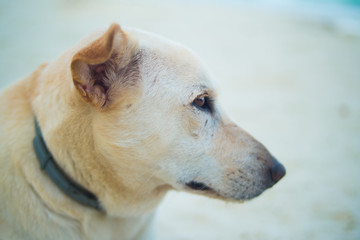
(172,66)
(162,54)
(151,40)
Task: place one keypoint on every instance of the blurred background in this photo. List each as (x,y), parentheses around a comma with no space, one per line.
(288,73)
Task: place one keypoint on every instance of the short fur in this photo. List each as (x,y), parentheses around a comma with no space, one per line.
(117,112)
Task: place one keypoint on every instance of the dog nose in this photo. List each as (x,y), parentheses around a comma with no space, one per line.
(277,171)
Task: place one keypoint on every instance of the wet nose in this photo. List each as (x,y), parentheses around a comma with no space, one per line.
(277,171)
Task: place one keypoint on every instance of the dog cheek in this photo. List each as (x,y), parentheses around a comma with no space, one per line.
(193,125)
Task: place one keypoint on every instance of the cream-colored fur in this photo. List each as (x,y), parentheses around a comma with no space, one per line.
(117,112)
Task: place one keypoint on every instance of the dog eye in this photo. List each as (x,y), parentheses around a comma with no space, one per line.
(202,102)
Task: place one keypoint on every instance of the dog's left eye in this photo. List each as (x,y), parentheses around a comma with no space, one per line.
(202,102)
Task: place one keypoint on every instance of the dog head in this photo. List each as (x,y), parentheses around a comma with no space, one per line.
(155,124)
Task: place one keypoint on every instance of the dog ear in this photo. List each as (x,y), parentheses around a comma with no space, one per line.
(99,68)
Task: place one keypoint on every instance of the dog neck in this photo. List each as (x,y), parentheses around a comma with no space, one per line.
(59,177)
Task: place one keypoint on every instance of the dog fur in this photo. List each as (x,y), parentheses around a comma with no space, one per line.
(119,115)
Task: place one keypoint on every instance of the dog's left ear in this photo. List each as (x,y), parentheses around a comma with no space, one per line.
(99,68)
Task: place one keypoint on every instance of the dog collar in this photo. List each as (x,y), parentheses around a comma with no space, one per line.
(58,176)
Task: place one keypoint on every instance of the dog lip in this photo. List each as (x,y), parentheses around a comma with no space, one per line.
(198,186)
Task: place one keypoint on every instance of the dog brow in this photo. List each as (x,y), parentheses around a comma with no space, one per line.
(201,89)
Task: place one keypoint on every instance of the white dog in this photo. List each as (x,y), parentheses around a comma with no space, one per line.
(91,143)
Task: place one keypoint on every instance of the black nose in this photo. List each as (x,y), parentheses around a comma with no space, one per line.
(277,171)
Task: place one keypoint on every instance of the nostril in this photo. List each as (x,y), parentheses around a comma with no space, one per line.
(277,172)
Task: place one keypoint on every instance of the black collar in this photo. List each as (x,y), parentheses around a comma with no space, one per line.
(58,176)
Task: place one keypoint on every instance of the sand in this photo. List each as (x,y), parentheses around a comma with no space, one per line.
(291,82)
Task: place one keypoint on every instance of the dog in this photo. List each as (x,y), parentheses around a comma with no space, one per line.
(92,142)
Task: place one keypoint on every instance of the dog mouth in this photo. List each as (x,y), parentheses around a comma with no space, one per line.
(198,186)
(203,189)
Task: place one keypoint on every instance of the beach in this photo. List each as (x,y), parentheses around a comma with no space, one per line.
(291,81)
